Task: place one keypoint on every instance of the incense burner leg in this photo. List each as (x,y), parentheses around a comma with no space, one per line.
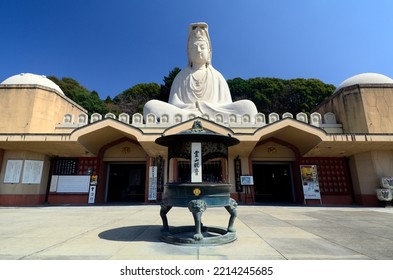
(197,207)
(232,209)
(164,210)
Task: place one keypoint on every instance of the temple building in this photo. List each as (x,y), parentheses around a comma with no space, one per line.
(52,151)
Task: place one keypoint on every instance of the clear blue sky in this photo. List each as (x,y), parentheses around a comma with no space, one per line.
(109,46)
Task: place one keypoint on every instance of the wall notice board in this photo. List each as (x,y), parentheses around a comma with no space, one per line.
(13,171)
(32,171)
(73,184)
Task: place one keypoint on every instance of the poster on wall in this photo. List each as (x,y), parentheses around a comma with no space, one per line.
(92,188)
(196,162)
(152,183)
(93,180)
(32,171)
(247,180)
(92,194)
(310,182)
(13,171)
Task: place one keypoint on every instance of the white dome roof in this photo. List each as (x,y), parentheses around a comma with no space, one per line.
(32,79)
(365,78)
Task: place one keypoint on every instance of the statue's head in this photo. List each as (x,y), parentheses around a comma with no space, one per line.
(198,37)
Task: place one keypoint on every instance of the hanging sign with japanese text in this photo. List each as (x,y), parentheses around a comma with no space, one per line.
(196,162)
(152,183)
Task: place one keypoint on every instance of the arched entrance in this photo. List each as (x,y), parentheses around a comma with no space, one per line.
(274,166)
(124,165)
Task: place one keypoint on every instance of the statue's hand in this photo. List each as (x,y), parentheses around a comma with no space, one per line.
(200,105)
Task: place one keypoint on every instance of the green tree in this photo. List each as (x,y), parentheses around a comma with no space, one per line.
(132,100)
(240,89)
(302,95)
(268,94)
(108,100)
(89,100)
(280,96)
(166,87)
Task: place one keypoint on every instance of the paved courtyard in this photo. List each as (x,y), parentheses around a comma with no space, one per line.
(133,232)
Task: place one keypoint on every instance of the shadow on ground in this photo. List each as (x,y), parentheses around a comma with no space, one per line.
(149,233)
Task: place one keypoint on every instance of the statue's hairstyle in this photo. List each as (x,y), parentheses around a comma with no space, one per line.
(198,31)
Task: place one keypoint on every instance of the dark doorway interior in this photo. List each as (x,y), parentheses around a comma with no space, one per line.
(211,171)
(273,182)
(126,182)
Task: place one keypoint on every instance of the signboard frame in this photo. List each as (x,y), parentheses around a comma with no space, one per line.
(32,171)
(73,184)
(246,180)
(13,171)
(152,183)
(310,182)
(196,162)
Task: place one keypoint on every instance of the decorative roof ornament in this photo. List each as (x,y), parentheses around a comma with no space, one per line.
(197,127)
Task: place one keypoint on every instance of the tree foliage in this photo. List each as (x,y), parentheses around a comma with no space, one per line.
(268,94)
(90,100)
(281,96)
(166,87)
(132,100)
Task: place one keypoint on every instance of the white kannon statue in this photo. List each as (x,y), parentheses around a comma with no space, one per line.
(199,89)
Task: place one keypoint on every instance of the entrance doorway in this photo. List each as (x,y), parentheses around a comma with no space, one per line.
(126,182)
(273,182)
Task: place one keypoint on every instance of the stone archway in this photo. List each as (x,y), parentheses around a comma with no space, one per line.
(275,164)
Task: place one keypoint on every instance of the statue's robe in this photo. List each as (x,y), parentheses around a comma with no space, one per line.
(210,97)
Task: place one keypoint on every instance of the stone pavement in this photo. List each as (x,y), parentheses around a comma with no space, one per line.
(133,233)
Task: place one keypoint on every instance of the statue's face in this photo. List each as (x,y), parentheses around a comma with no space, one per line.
(199,52)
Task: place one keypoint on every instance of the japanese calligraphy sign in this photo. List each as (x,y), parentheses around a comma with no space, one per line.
(196,162)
